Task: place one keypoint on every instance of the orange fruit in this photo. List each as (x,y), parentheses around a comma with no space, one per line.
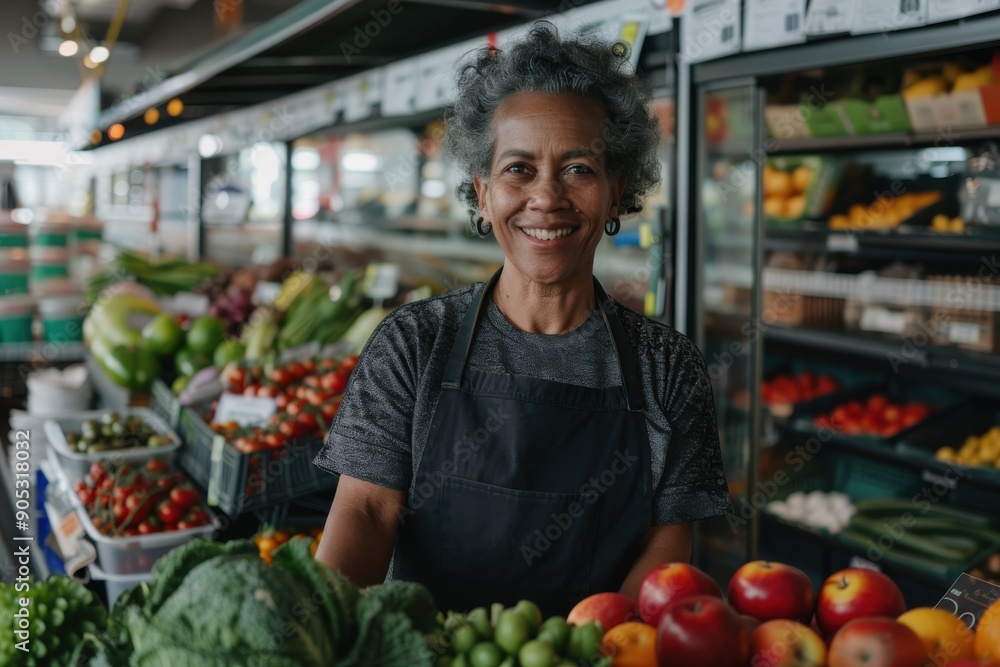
(988,633)
(631,644)
(945,637)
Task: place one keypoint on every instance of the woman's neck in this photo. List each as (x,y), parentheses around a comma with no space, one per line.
(544,309)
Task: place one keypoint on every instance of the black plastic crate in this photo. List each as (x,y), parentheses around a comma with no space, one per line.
(940,400)
(951,430)
(240,482)
(164,403)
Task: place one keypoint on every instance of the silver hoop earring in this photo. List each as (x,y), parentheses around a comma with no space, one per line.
(611,227)
(481,229)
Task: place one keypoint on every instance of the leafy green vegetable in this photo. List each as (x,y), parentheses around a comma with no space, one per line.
(62,615)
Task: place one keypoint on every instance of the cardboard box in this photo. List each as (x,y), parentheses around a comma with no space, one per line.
(962,109)
(886,113)
(787,121)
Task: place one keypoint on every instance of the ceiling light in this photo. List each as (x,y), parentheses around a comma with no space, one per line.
(100,54)
(88,62)
(68,24)
(68,48)
(152,116)
(361,161)
(116,132)
(175,107)
(209,145)
(305,159)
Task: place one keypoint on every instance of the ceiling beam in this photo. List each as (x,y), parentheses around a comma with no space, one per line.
(315,61)
(494,7)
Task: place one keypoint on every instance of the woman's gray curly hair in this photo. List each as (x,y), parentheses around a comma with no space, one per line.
(543,62)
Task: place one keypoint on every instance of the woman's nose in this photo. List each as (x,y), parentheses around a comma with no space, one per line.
(548,193)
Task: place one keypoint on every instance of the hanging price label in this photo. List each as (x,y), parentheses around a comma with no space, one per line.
(381,281)
(828,17)
(711,29)
(968,598)
(881,16)
(948,10)
(244,410)
(771,23)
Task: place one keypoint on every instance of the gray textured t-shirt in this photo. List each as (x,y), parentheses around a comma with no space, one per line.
(381,429)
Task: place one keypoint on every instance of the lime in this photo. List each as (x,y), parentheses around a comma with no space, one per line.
(511,661)
(532,614)
(205,334)
(189,362)
(485,654)
(480,620)
(460,661)
(585,640)
(228,352)
(536,653)
(511,631)
(162,335)
(178,386)
(465,638)
(556,631)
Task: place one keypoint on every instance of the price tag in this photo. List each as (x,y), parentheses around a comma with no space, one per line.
(772,23)
(948,10)
(711,29)
(965,333)
(968,598)
(876,318)
(400,88)
(881,16)
(381,281)
(186,303)
(266,292)
(864,564)
(309,350)
(934,478)
(244,410)
(828,17)
(842,242)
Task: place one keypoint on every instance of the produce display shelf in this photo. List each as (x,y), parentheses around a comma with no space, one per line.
(881,245)
(41,352)
(885,140)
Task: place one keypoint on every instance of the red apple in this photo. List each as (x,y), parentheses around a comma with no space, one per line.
(784,643)
(610,609)
(768,591)
(853,593)
(666,583)
(873,641)
(973,662)
(702,630)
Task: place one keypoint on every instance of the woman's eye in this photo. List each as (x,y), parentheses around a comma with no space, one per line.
(517,169)
(580,169)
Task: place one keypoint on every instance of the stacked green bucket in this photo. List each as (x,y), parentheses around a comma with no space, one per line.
(16,306)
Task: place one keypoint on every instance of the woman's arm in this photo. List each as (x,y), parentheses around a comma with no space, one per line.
(360,530)
(663,544)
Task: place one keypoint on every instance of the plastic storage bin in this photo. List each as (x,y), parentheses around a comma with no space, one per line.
(62,318)
(17,313)
(13,235)
(116,584)
(75,465)
(14,270)
(48,263)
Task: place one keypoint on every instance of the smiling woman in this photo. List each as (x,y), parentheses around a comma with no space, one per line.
(530,438)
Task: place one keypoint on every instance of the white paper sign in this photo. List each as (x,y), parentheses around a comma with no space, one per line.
(381,281)
(842,242)
(828,17)
(772,23)
(948,10)
(244,410)
(872,16)
(965,333)
(711,29)
(875,318)
(400,88)
(436,80)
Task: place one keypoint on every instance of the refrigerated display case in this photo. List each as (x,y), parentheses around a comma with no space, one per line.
(841,272)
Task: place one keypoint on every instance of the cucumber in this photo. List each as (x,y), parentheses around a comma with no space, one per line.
(902,557)
(908,540)
(883,507)
(933,526)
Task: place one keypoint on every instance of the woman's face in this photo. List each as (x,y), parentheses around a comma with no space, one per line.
(548,193)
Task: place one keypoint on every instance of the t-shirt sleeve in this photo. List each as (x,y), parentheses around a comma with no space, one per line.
(370,438)
(693,485)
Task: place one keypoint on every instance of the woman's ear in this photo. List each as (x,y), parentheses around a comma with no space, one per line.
(480,187)
(617,188)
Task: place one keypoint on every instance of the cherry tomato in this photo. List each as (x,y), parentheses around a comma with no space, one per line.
(97,472)
(275,440)
(236,379)
(308,367)
(86,497)
(335,382)
(282,401)
(198,517)
(308,420)
(268,391)
(292,430)
(169,512)
(312,381)
(157,465)
(295,407)
(146,527)
(119,511)
(251,390)
(281,376)
(296,370)
(348,364)
(183,496)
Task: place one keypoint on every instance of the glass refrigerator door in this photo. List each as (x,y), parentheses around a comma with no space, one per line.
(726,202)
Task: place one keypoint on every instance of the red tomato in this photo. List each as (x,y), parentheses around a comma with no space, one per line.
(198,517)
(348,364)
(169,512)
(291,430)
(236,379)
(335,382)
(281,377)
(282,401)
(97,472)
(308,367)
(120,512)
(295,407)
(328,364)
(312,382)
(146,527)
(183,496)
(274,440)
(877,402)
(268,391)
(308,420)
(251,390)
(296,370)
(86,497)
(157,465)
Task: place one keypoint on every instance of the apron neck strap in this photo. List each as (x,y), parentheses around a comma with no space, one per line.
(627,365)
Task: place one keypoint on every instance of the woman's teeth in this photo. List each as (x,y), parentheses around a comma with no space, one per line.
(547,234)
